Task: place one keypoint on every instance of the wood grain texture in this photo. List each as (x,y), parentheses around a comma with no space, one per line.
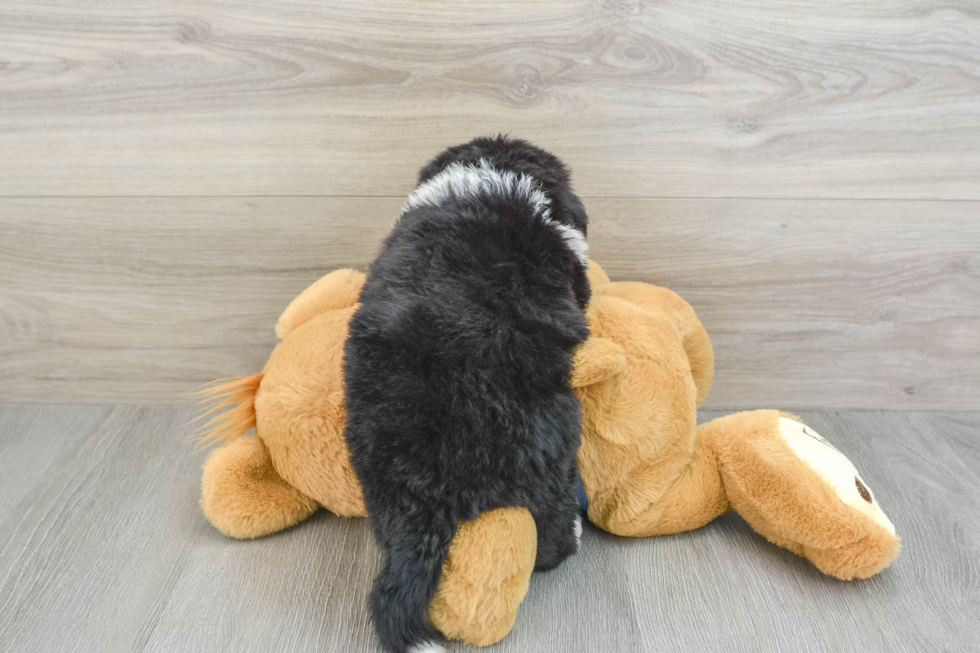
(834,304)
(103,548)
(750,98)
(142,300)
(860,304)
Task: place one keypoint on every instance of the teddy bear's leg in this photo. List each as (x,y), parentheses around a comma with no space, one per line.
(801,493)
(485,576)
(244,497)
(339,289)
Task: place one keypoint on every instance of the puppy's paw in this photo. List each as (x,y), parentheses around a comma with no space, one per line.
(427,647)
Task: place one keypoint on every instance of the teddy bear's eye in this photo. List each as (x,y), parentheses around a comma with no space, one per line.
(862,490)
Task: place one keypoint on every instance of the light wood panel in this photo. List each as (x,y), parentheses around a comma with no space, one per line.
(103,548)
(750,98)
(837,304)
(142,300)
(809,303)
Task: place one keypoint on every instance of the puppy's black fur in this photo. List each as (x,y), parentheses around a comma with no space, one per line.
(457,371)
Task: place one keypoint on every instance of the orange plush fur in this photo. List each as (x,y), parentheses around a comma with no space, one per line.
(485,576)
(647,468)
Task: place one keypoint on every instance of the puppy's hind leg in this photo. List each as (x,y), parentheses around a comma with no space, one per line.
(559,525)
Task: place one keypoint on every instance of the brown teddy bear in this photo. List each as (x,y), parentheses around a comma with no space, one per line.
(646,467)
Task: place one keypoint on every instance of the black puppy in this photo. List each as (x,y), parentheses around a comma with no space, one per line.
(458,364)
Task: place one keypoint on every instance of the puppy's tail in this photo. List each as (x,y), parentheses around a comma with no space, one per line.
(399,601)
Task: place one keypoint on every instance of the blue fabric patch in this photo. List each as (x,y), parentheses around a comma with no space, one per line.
(583,501)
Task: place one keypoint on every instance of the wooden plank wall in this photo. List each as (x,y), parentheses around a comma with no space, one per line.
(806,174)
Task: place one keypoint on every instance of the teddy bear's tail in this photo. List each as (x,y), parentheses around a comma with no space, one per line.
(239,393)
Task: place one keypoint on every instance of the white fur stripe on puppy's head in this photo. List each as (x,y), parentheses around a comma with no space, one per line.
(459,180)
(574,239)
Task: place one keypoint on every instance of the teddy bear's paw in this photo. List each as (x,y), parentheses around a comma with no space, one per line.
(244,497)
(861,559)
(834,468)
(485,576)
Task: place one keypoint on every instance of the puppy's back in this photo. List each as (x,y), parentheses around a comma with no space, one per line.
(456,371)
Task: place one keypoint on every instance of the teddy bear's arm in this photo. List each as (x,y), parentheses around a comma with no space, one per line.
(596,360)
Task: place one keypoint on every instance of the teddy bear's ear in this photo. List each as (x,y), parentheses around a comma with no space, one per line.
(339,289)
(597,276)
(597,360)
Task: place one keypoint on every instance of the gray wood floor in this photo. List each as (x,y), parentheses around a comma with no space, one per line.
(103,548)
